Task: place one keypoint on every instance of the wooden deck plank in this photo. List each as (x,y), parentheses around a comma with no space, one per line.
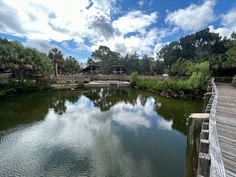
(226,126)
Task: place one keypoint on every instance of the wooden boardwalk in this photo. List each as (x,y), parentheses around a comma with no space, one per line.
(226,126)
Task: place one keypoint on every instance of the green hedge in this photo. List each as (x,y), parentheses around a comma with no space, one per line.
(134,79)
(196,81)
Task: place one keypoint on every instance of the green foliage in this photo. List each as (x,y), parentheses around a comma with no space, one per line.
(80,83)
(231,52)
(14,87)
(3,77)
(217,62)
(23,61)
(195,47)
(234,80)
(61,65)
(196,81)
(202,67)
(180,57)
(56,57)
(181,67)
(106,59)
(70,66)
(132,62)
(170,53)
(157,67)
(134,79)
(158,86)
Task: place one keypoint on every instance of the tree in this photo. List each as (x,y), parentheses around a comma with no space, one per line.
(170,53)
(106,58)
(145,64)
(196,47)
(216,62)
(181,67)
(200,45)
(231,52)
(131,62)
(157,67)
(23,62)
(224,63)
(70,66)
(57,58)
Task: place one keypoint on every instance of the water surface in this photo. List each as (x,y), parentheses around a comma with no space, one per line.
(98,132)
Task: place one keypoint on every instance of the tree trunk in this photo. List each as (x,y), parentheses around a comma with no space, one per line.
(56,70)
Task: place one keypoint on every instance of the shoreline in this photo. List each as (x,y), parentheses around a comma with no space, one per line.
(39,87)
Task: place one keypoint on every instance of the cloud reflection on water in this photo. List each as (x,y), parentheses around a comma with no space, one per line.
(85,134)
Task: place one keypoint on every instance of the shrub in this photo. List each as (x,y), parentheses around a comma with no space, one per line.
(134,79)
(80,83)
(22,87)
(197,81)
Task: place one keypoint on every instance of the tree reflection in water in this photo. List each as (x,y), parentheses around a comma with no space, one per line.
(99,131)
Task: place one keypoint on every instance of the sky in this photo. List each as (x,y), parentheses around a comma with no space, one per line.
(78,27)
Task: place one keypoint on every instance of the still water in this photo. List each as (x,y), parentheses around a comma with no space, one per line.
(98,132)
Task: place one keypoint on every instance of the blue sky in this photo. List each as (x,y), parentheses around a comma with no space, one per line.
(79,27)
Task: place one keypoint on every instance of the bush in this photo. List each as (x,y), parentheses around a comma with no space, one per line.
(14,87)
(196,82)
(134,79)
(234,80)
(80,83)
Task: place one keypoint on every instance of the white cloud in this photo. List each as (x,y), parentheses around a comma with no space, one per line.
(43,21)
(228,24)
(56,21)
(157,49)
(47,19)
(164,124)
(41,45)
(228,20)
(193,17)
(134,21)
(135,116)
(141,43)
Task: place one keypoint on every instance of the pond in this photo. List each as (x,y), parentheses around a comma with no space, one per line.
(97,132)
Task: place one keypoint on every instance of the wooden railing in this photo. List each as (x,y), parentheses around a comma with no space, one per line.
(210,162)
(217,166)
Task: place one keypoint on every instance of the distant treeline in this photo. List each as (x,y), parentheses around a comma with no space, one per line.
(176,58)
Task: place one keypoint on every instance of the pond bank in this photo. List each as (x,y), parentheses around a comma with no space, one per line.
(185,89)
(167,88)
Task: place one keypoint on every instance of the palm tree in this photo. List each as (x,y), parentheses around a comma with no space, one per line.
(57,59)
(70,65)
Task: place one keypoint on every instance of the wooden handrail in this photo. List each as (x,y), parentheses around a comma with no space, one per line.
(217,168)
